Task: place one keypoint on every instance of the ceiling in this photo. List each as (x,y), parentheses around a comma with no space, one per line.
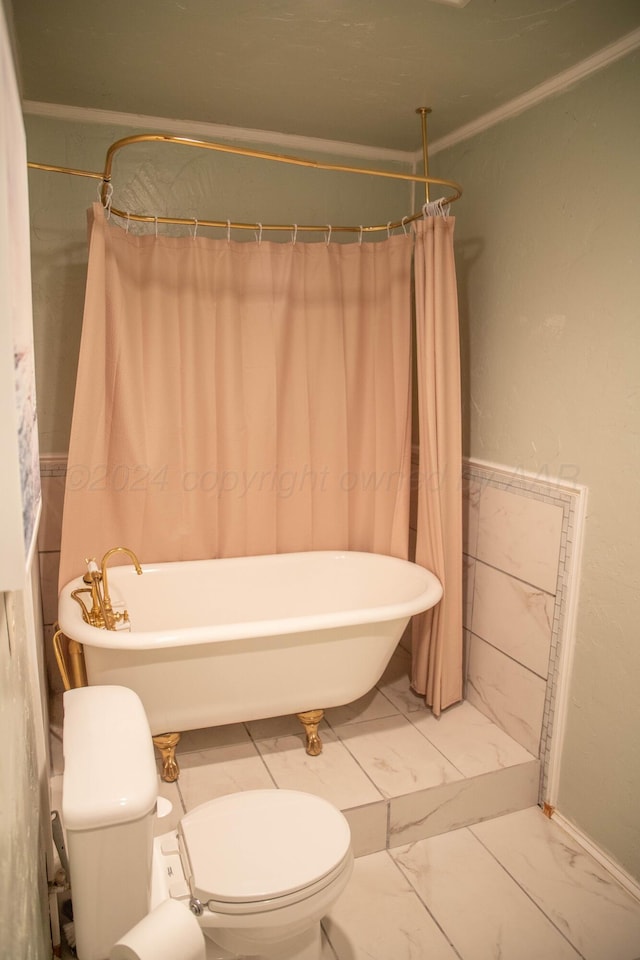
(350,70)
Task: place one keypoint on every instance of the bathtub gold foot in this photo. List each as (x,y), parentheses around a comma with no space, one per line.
(310,720)
(166,744)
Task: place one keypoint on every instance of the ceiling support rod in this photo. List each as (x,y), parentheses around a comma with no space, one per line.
(423,111)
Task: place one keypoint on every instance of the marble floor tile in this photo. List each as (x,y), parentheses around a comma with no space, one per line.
(193,740)
(580,897)
(219,770)
(397,758)
(395,684)
(370,707)
(380,917)
(272,727)
(334,775)
(456,877)
(470,741)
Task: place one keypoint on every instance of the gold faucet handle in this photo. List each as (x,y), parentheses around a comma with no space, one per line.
(93,570)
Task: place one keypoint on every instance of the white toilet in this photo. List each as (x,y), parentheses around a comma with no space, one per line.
(259,869)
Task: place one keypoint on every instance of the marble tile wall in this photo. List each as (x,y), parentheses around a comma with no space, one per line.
(520,534)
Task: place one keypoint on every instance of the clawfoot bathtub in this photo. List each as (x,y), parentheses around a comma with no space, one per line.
(223,641)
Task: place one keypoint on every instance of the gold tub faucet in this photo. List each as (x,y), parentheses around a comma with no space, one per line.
(106,598)
(102,614)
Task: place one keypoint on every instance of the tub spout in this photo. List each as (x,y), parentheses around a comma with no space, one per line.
(111,617)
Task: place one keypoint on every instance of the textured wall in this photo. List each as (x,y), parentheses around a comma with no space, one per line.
(24,788)
(24,807)
(548,235)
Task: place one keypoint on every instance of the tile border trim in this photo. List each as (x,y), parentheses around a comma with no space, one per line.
(571,498)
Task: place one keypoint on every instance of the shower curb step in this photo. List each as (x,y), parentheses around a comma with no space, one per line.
(449,806)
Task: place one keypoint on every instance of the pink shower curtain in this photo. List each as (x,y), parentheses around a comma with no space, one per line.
(239,398)
(437,634)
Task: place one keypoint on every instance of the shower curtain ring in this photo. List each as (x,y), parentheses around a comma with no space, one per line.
(361,232)
(328,240)
(259,234)
(156,221)
(195,228)
(389,230)
(228,231)
(108,194)
(294,235)
(128,222)
(403,226)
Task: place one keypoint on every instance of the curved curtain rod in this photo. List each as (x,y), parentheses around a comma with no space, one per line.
(106,178)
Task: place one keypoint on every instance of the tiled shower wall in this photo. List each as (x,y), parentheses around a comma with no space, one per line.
(520,535)
(521,538)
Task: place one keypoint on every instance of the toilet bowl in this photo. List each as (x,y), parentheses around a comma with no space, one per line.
(259,869)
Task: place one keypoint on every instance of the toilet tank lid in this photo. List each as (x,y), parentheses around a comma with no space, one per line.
(109,766)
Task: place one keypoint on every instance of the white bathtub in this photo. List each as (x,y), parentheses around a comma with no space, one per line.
(221,641)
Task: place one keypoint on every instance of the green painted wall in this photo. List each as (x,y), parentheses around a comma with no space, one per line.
(548,241)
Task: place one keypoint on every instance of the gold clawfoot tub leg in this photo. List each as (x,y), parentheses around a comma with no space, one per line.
(310,719)
(166,744)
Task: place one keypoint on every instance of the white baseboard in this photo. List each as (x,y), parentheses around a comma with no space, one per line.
(625,879)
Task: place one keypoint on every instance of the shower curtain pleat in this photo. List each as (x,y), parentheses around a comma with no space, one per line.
(437,634)
(239,398)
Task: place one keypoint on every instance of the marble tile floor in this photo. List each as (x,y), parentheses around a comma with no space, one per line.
(512,888)
(396,772)
(454,858)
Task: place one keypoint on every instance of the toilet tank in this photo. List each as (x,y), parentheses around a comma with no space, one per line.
(109,794)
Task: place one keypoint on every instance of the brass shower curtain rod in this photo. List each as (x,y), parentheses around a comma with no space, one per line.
(107,188)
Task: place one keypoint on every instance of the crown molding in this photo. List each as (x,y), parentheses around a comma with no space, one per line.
(215,131)
(558,84)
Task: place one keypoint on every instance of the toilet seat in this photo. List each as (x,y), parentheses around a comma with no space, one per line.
(262,850)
